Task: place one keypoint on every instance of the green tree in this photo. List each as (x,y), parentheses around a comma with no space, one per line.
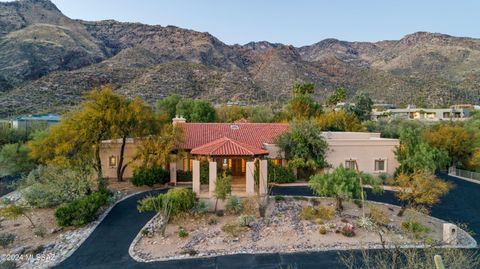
(230,113)
(304,147)
(302,106)
(420,190)
(223,188)
(363,106)
(339,95)
(77,139)
(14,160)
(14,211)
(458,141)
(133,118)
(167,107)
(196,110)
(342,184)
(339,121)
(261,114)
(414,154)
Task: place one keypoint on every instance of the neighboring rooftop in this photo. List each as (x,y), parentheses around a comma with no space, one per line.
(44,117)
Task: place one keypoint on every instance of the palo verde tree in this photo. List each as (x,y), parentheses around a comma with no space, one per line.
(223,188)
(342,184)
(133,118)
(458,141)
(304,146)
(302,106)
(420,190)
(339,121)
(77,139)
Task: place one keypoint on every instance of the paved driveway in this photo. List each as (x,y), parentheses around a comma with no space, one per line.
(107,246)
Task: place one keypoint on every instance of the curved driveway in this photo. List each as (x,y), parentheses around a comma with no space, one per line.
(107,246)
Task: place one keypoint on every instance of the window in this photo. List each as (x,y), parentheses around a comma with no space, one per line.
(244,168)
(185,164)
(379,165)
(112,161)
(350,164)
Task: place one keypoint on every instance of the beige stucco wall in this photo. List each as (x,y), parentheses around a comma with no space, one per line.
(364,148)
(112,148)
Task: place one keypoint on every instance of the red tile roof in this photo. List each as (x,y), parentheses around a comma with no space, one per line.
(251,134)
(226,146)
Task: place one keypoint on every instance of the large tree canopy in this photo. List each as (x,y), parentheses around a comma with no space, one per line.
(339,121)
(304,146)
(414,154)
(302,106)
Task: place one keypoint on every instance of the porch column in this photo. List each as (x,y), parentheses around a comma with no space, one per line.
(173,173)
(263,179)
(212,177)
(250,178)
(196,176)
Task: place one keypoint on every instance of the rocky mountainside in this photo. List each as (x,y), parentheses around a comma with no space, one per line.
(47,61)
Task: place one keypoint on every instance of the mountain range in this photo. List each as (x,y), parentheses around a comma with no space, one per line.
(47,62)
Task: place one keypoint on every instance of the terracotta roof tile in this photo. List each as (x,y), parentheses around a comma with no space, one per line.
(252,134)
(226,146)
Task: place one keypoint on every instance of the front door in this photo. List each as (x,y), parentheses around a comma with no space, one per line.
(237,167)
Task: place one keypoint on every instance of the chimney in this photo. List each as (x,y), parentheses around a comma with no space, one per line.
(178,119)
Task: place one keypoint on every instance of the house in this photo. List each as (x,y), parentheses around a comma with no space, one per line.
(423,114)
(34,121)
(238,146)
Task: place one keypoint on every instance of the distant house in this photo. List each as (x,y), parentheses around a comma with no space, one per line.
(238,146)
(33,121)
(423,114)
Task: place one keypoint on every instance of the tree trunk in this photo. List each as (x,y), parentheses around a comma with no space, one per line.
(98,162)
(216,202)
(26,216)
(120,168)
(402,210)
(339,205)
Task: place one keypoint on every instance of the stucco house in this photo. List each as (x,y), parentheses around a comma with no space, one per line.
(237,146)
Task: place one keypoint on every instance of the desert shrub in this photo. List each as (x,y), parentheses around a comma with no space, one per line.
(250,206)
(308,213)
(7,201)
(212,221)
(200,207)
(348,230)
(378,216)
(181,200)
(182,233)
(246,220)
(183,176)
(82,210)
(319,221)
(8,265)
(322,230)
(234,205)
(366,223)
(40,232)
(150,176)
(204,171)
(50,186)
(322,212)
(279,198)
(6,239)
(415,228)
(233,229)
(325,212)
(280,174)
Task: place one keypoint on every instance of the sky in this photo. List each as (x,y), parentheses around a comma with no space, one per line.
(294,22)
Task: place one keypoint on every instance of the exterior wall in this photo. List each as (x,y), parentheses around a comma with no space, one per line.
(113,149)
(343,147)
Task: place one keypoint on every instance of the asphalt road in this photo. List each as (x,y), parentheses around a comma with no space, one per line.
(107,246)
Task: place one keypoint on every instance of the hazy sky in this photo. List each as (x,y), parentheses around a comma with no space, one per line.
(299,22)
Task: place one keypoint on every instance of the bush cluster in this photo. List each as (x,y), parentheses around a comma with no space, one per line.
(234,205)
(182,200)
(415,228)
(280,174)
(150,176)
(82,210)
(183,176)
(321,212)
(378,216)
(6,239)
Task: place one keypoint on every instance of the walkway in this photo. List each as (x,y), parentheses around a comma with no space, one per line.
(107,246)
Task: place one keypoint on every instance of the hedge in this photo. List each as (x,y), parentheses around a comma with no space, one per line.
(150,176)
(280,174)
(82,210)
